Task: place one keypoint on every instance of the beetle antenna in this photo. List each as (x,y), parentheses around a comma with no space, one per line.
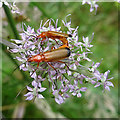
(17,67)
(21,91)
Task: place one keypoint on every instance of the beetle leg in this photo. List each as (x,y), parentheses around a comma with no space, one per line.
(55,41)
(56,73)
(64,41)
(64,63)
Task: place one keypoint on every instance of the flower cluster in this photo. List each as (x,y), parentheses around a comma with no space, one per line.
(69,76)
(13,7)
(92,4)
(117,1)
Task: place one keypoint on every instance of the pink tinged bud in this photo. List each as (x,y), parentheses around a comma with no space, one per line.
(32,31)
(71,90)
(23,36)
(63,71)
(30,97)
(106,74)
(66,96)
(85,40)
(59,101)
(42,89)
(19,59)
(28,94)
(109,84)
(69,72)
(81,82)
(107,88)
(55,92)
(62,65)
(53,72)
(110,78)
(15,50)
(40,96)
(97,85)
(29,88)
(73,54)
(17,41)
(96,6)
(97,65)
(54,77)
(83,89)
(28,29)
(39,84)
(34,83)
(21,66)
(91,9)
(63,22)
(46,23)
(71,87)
(88,59)
(97,75)
(79,95)
(75,82)
(93,82)
(74,67)
(40,78)
(78,58)
(33,75)
(73,93)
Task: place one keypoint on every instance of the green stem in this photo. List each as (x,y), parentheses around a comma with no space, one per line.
(16,34)
(11,21)
(13,60)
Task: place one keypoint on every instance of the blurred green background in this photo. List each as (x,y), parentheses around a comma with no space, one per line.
(94,103)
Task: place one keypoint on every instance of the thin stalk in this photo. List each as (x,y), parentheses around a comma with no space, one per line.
(11,21)
(16,34)
(13,60)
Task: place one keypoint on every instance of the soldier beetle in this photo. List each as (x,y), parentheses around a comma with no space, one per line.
(55,55)
(55,35)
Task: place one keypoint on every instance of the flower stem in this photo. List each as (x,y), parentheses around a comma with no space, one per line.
(13,60)
(16,34)
(11,21)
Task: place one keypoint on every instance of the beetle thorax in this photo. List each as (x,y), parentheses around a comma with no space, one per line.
(43,34)
(38,58)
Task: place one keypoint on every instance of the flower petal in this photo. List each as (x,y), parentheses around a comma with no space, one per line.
(34,83)
(42,89)
(40,96)
(30,97)
(29,88)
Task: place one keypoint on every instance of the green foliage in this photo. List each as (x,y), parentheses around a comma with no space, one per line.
(104,24)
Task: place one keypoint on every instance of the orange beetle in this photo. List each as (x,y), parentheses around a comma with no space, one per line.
(55,55)
(55,35)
